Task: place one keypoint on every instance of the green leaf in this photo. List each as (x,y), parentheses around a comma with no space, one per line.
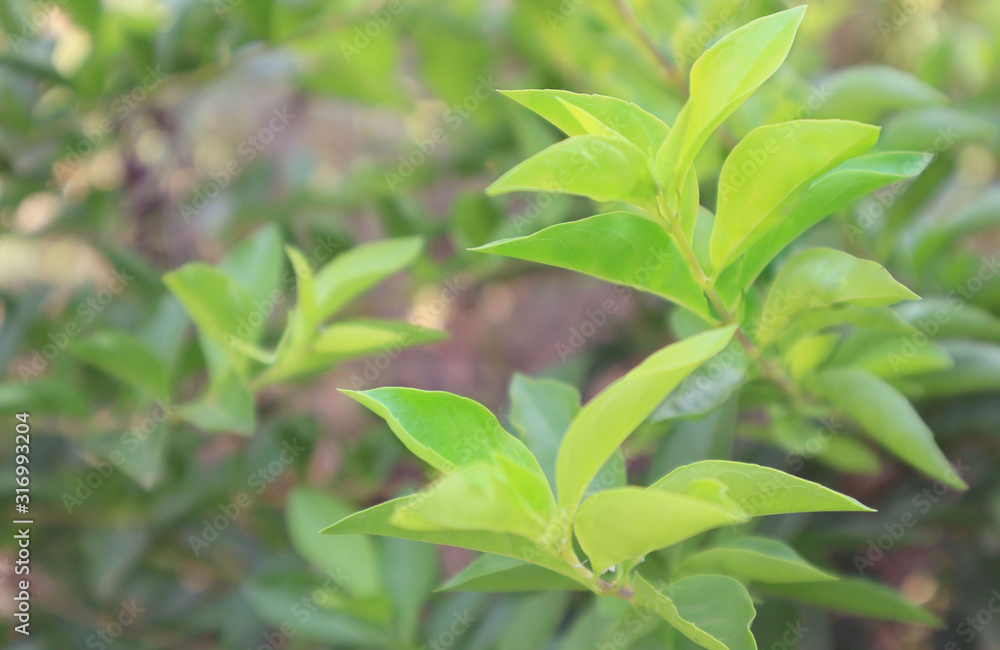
(618,247)
(943,318)
(256,263)
(881,319)
(976,370)
(608,419)
(937,128)
(760,491)
(834,190)
(126,358)
(978,215)
(359,269)
(603,168)
(625,523)
(444,430)
(305,308)
(867,92)
(358,338)
(819,277)
(713,611)
(535,620)
(854,596)
(887,417)
(770,170)
(226,405)
(483,497)
(541,412)
(723,78)
(814,440)
(352,559)
(496,573)
(809,353)
(890,355)
(217,304)
(624,118)
(377,521)
(706,388)
(754,559)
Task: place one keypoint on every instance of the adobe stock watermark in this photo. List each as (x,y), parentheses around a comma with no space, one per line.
(105,636)
(86,312)
(304,609)
(32,26)
(257,481)
(120,107)
(895,531)
(248,150)
(363,35)
(128,443)
(454,117)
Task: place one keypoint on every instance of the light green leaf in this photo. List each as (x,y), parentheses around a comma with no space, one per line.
(377,521)
(937,128)
(942,318)
(352,559)
(496,573)
(226,404)
(608,419)
(126,358)
(706,388)
(618,247)
(446,431)
(624,118)
(217,304)
(541,412)
(978,215)
(819,277)
(305,308)
(760,491)
(834,190)
(770,170)
(358,338)
(359,269)
(256,263)
(721,79)
(977,370)
(880,319)
(482,497)
(625,523)
(887,417)
(854,596)
(754,559)
(815,440)
(867,92)
(809,353)
(713,611)
(890,355)
(600,167)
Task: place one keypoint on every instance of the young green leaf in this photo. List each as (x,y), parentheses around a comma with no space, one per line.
(625,523)
(359,269)
(256,263)
(977,370)
(769,170)
(760,491)
(854,596)
(888,417)
(444,430)
(217,304)
(624,118)
(753,559)
(358,338)
(941,318)
(541,412)
(126,358)
(352,558)
(377,521)
(890,355)
(496,573)
(819,277)
(226,404)
(608,419)
(305,308)
(713,611)
(880,319)
(721,79)
(504,499)
(618,247)
(839,187)
(603,168)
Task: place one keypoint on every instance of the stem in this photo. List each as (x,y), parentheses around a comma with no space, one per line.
(669,69)
(599,585)
(726,317)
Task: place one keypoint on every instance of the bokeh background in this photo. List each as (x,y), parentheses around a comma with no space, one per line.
(138,135)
